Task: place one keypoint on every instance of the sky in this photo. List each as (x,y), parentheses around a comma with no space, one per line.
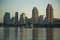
(26,6)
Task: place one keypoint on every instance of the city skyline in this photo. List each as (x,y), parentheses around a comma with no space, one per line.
(49,16)
(22,6)
(36,22)
(35,19)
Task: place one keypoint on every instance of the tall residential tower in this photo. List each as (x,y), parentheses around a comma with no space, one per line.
(49,14)
(35,21)
(49,20)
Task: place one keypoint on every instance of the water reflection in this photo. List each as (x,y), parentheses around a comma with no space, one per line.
(6,33)
(17,33)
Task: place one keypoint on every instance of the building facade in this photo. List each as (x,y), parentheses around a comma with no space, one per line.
(41,20)
(22,29)
(7,18)
(35,15)
(49,14)
(22,18)
(35,21)
(16,17)
(49,20)
(12,20)
(6,22)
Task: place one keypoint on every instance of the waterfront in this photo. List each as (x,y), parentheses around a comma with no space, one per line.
(26,33)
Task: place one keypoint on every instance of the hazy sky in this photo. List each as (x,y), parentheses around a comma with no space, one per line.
(26,6)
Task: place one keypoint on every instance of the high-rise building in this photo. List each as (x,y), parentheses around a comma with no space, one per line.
(22,29)
(41,19)
(16,23)
(16,17)
(6,29)
(28,22)
(49,14)
(7,18)
(12,20)
(35,21)
(35,15)
(49,19)
(22,18)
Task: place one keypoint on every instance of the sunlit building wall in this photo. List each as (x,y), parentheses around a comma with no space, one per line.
(35,21)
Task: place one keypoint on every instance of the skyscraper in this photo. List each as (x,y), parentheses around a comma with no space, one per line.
(49,19)
(35,15)
(7,18)
(6,22)
(16,23)
(35,21)
(49,14)
(22,18)
(22,28)
(16,17)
